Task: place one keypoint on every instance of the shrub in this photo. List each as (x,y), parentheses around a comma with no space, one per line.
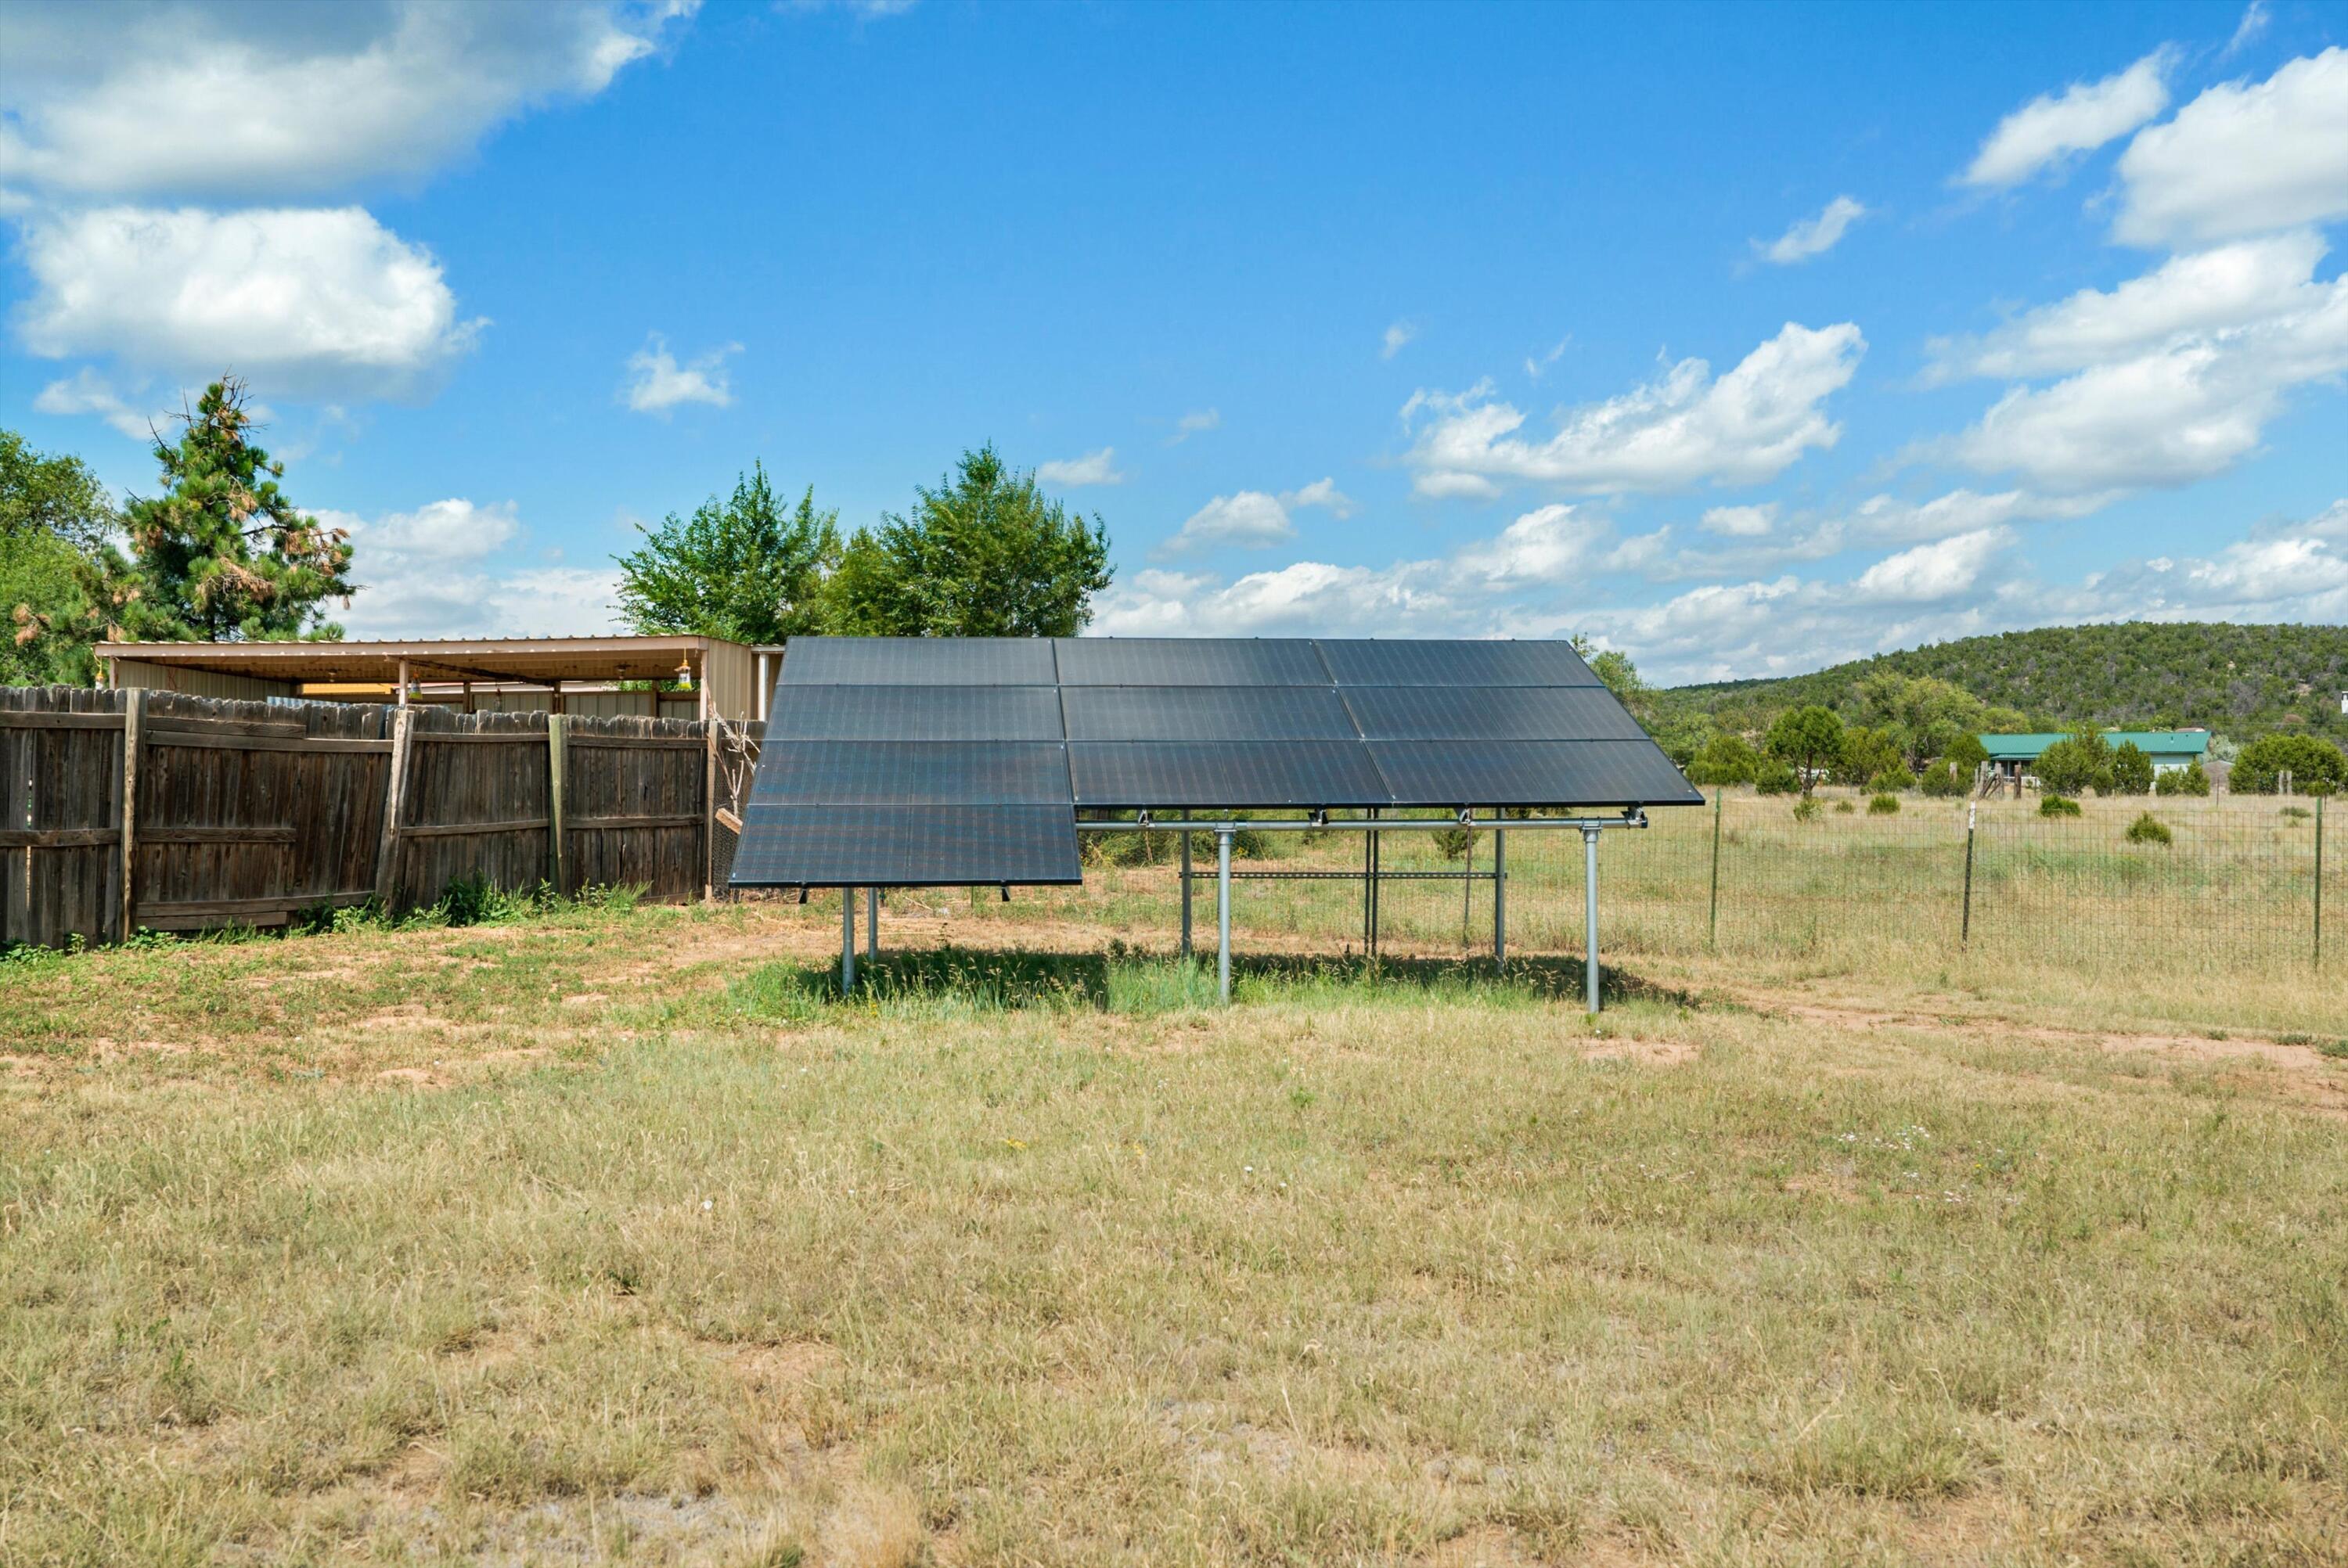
(1891,781)
(1806,810)
(1965,754)
(2131,770)
(2296,813)
(1844,808)
(1454,843)
(2076,764)
(1776,778)
(2190,779)
(2148,829)
(2316,766)
(1942,780)
(1724,760)
(2057,805)
(1885,804)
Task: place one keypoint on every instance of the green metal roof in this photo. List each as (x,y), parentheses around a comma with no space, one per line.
(2152,742)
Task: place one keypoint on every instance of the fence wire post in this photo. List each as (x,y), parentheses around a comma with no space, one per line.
(1712,937)
(2319,881)
(1965,929)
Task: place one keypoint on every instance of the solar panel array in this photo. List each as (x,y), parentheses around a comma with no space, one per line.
(930,761)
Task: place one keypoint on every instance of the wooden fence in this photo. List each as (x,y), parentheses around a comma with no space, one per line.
(123,811)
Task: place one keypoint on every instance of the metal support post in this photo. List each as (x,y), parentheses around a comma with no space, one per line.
(1712,930)
(2319,881)
(873,924)
(1186,895)
(847,940)
(1223,912)
(1589,916)
(1965,928)
(1500,896)
(1374,846)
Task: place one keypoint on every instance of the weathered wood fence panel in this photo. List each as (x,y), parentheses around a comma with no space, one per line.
(251,812)
(60,816)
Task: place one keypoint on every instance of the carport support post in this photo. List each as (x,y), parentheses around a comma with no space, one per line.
(847,940)
(1186,895)
(1589,916)
(1223,913)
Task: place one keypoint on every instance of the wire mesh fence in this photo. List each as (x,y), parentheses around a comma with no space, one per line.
(2241,884)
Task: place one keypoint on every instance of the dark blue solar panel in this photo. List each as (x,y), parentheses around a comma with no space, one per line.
(1376,662)
(1302,773)
(917,661)
(1490,713)
(914,773)
(1531,772)
(1189,661)
(917,714)
(895,845)
(1206,714)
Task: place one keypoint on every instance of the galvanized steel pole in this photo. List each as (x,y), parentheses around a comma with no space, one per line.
(873,924)
(1500,896)
(847,940)
(1186,895)
(1223,912)
(1590,915)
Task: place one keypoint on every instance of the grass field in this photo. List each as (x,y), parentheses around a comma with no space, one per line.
(611,1236)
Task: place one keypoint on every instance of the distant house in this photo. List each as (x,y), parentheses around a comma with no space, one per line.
(2013,755)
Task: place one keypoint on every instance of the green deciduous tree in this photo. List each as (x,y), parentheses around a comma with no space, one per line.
(223,554)
(985,554)
(746,568)
(2192,779)
(1808,740)
(54,518)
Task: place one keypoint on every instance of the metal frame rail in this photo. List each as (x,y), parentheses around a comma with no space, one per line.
(1372,826)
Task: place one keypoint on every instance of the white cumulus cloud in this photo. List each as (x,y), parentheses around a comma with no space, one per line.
(2242,159)
(1682,428)
(1197,422)
(2050,129)
(659,384)
(1397,337)
(1092,468)
(1254,519)
(1812,236)
(307,303)
(86,392)
(183,98)
(435,572)
(1940,571)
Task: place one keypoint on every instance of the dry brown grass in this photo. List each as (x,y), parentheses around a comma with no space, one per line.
(608,1238)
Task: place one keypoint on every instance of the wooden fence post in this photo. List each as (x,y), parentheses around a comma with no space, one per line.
(134,712)
(387,859)
(708,799)
(555,724)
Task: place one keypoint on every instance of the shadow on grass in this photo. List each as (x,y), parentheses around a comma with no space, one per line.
(956,982)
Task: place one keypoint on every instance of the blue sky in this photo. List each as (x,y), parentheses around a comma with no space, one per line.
(1743,338)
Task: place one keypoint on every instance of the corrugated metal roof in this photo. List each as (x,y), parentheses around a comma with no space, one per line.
(2152,742)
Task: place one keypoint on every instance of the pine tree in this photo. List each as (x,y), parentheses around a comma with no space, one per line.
(223,555)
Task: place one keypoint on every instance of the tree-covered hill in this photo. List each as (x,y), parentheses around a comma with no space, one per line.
(2239,681)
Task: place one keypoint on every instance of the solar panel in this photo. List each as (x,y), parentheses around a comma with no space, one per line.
(1490,713)
(1206,714)
(1188,662)
(1374,663)
(1298,773)
(1531,772)
(917,714)
(914,773)
(919,760)
(899,845)
(918,662)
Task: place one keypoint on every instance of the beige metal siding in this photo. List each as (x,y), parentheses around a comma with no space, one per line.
(130,673)
(733,681)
